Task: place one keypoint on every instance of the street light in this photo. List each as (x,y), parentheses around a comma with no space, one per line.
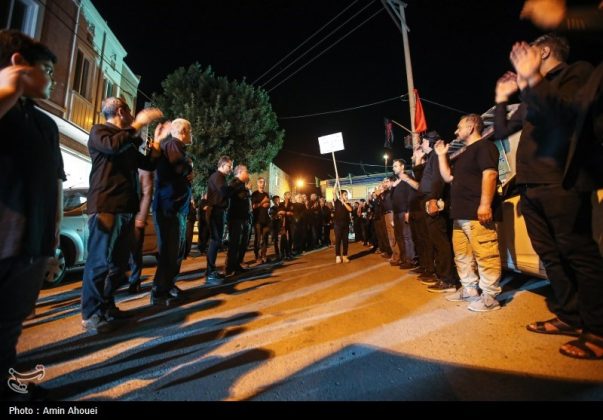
(385,158)
(299,184)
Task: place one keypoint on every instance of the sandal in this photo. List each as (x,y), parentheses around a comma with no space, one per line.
(561,328)
(587,352)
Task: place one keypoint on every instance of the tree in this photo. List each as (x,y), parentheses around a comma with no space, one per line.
(228,118)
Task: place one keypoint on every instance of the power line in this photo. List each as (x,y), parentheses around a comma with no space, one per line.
(325,50)
(401,97)
(317,44)
(445,106)
(304,43)
(353,108)
(329,160)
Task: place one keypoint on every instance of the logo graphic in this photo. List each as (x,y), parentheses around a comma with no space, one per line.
(18,381)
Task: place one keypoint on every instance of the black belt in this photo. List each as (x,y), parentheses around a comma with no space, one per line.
(527,186)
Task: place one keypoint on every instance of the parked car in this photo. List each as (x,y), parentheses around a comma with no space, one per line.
(72,251)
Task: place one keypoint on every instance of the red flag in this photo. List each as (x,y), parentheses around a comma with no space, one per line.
(420,121)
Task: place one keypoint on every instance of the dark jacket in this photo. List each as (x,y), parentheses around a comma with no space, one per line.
(114,173)
(544,142)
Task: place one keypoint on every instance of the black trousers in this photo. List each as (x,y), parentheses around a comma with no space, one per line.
(260,240)
(423,245)
(238,239)
(341,237)
(559,224)
(215,222)
(437,231)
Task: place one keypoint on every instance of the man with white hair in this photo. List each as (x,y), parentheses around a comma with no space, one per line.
(170,209)
(112,205)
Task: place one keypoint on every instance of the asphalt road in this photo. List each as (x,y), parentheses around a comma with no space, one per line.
(307,330)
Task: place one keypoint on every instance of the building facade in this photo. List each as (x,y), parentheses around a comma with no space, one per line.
(90,67)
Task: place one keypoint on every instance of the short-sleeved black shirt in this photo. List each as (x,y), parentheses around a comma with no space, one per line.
(466,190)
(260,213)
(342,215)
(30,167)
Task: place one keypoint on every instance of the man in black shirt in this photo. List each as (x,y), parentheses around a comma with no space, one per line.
(31,185)
(473,204)
(431,190)
(401,194)
(341,221)
(218,193)
(260,202)
(238,220)
(170,210)
(560,220)
(112,204)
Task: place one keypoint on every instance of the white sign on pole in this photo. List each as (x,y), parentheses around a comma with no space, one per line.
(331,143)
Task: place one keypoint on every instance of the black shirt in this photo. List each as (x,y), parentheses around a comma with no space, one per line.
(172,189)
(30,167)
(114,172)
(544,141)
(260,213)
(466,189)
(342,214)
(217,191)
(401,195)
(432,184)
(387,203)
(240,204)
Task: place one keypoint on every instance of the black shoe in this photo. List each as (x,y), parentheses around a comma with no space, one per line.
(406,266)
(417,270)
(100,324)
(240,270)
(134,289)
(426,275)
(115,312)
(213,280)
(442,287)
(163,299)
(32,315)
(175,292)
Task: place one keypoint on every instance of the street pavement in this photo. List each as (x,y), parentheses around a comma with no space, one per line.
(307,329)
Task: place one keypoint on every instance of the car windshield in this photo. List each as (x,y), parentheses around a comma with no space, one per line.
(73,199)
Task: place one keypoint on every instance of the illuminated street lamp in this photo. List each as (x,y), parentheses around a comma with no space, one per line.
(299,184)
(385,158)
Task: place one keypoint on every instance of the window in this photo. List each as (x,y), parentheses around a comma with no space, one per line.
(82,73)
(110,89)
(21,15)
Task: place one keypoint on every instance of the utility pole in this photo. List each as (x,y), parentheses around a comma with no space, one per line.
(395,9)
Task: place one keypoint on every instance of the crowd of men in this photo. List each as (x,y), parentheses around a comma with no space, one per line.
(446,235)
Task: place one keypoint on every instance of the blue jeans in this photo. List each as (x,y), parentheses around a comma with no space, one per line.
(171,240)
(109,247)
(136,256)
(20,282)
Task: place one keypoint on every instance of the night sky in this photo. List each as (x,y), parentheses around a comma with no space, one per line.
(458,48)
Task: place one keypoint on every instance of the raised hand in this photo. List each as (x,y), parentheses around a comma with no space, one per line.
(525,59)
(147,116)
(506,86)
(441,148)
